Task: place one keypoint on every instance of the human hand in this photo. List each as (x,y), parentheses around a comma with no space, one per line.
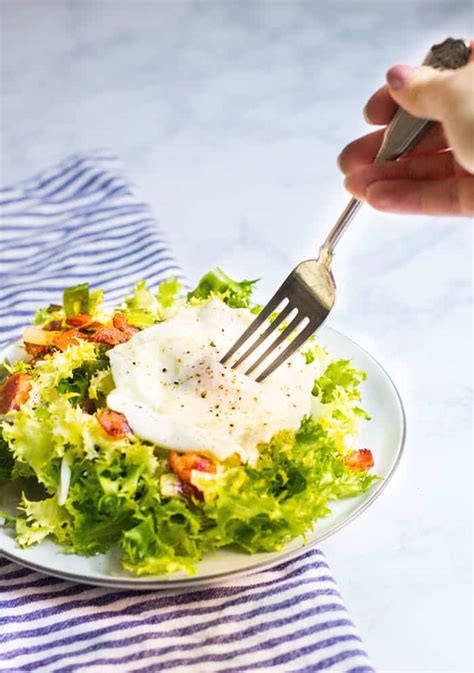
(437,177)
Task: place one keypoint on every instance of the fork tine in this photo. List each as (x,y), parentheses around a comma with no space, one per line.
(270,329)
(289,350)
(280,339)
(265,313)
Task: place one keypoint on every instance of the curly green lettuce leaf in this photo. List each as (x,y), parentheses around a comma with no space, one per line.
(339,374)
(42,518)
(77,385)
(30,438)
(99,518)
(106,497)
(101,383)
(336,398)
(167,539)
(143,308)
(142,298)
(168,292)
(218,284)
(50,371)
(260,509)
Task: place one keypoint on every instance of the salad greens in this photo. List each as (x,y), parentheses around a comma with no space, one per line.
(217,284)
(102,491)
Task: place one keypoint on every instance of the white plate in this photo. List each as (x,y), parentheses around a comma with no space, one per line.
(384,435)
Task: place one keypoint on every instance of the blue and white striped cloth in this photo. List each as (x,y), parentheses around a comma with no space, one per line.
(81,221)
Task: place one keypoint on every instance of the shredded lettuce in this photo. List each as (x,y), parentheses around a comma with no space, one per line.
(114,496)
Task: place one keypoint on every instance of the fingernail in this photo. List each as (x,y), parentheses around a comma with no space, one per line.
(399,75)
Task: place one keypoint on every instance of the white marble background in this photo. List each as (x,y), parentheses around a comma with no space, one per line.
(230,116)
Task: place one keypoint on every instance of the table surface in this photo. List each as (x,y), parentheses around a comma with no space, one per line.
(230,117)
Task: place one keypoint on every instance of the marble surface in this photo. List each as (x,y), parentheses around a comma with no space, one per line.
(230,116)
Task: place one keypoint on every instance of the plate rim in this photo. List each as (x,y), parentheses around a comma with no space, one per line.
(191,582)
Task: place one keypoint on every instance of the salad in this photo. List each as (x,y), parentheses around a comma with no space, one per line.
(130,433)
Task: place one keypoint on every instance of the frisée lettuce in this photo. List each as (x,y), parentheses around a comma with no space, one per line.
(102,486)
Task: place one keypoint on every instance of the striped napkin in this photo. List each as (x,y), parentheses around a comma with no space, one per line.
(82,220)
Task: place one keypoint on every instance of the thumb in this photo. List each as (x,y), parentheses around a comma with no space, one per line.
(421,91)
(446,96)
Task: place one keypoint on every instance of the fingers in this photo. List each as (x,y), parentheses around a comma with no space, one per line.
(429,180)
(421,91)
(435,167)
(443,95)
(362,151)
(450,196)
(380,107)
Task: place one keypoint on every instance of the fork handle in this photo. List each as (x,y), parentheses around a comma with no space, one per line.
(404,131)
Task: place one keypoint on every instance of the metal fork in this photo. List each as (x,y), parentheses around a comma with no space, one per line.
(308,294)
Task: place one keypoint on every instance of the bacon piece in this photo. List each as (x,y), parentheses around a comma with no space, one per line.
(65,339)
(114,423)
(35,350)
(14,392)
(79,320)
(91,326)
(189,491)
(184,463)
(361,459)
(121,323)
(53,326)
(109,335)
(88,406)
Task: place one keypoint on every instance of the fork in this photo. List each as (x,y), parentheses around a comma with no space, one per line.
(307,296)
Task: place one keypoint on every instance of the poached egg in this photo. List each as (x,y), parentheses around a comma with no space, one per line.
(174,392)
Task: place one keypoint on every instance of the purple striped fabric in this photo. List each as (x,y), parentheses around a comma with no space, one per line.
(82,220)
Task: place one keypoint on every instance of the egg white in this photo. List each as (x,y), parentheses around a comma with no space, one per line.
(174,392)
